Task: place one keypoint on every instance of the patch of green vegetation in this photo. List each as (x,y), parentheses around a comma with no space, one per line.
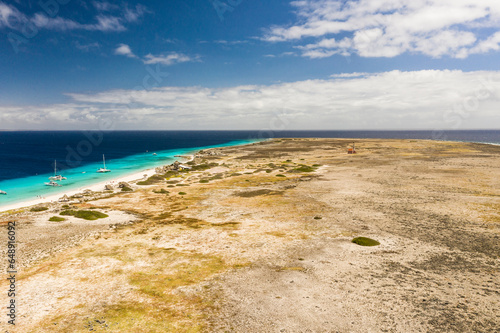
(217,176)
(38,209)
(182,185)
(84,214)
(256,193)
(161,191)
(126,189)
(152,180)
(182,193)
(269,170)
(204,166)
(57,219)
(204,181)
(364,241)
(303,168)
(171,186)
(235,174)
(65,206)
(280,175)
(317,217)
(316,165)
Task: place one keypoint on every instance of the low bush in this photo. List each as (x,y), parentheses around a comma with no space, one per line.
(364,241)
(57,219)
(38,209)
(84,214)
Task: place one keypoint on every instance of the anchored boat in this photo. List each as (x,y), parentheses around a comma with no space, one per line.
(56,176)
(103,170)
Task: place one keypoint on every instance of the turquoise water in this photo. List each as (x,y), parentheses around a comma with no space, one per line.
(28,188)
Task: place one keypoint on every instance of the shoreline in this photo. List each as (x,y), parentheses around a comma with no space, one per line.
(139,175)
(98,187)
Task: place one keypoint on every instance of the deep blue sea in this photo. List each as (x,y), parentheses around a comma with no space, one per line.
(27,157)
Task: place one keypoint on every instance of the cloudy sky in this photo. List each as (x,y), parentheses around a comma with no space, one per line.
(241,64)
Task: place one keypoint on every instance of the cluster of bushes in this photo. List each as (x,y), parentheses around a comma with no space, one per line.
(38,209)
(84,214)
(161,191)
(151,180)
(204,166)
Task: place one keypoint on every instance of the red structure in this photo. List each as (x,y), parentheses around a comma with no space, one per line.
(351,150)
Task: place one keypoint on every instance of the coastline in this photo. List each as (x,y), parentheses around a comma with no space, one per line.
(97,187)
(139,175)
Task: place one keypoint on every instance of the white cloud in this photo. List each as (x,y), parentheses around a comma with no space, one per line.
(11,17)
(87,47)
(388,28)
(104,6)
(389,100)
(124,49)
(169,59)
(14,19)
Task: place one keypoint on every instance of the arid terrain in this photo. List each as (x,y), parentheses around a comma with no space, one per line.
(258,238)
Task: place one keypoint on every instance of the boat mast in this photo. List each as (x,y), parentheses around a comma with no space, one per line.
(103,161)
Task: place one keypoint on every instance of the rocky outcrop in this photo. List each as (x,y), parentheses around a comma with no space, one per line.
(166,168)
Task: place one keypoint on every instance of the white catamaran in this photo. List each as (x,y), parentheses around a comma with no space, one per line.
(52,183)
(103,170)
(56,176)
(3,192)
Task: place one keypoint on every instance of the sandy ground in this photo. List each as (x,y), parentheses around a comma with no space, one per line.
(261,242)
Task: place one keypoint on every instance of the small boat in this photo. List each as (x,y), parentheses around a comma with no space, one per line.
(3,192)
(154,154)
(56,176)
(103,170)
(52,183)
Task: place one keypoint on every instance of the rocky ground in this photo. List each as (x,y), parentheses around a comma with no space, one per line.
(258,239)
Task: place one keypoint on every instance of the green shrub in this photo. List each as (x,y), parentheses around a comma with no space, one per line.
(162,191)
(204,181)
(303,168)
(204,166)
(84,214)
(317,217)
(38,209)
(57,219)
(280,175)
(151,180)
(364,241)
(182,193)
(126,189)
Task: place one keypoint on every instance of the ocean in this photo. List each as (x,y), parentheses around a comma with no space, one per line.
(27,157)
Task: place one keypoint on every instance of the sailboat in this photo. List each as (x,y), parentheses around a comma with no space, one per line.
(3,192)
(52,183)
(56,176)
(103,170)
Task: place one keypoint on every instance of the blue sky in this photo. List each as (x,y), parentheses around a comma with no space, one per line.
(239,64)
